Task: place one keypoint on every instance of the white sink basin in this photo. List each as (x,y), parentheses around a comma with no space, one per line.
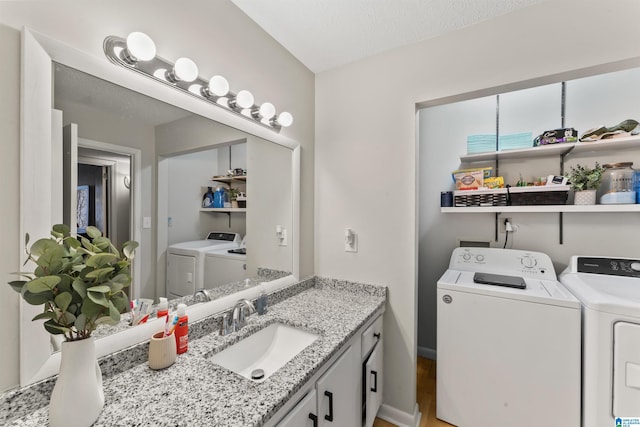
(269,349)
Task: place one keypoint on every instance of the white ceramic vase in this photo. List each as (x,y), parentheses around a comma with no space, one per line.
(585,197)
(78,397)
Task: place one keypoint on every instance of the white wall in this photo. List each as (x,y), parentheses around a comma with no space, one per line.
(366,141)
(242,52)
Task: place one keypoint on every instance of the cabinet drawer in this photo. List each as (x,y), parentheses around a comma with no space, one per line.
(371,335)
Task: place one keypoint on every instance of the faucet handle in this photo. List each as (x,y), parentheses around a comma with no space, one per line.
(225,326)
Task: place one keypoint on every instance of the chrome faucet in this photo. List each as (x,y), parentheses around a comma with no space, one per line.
(201,295)
(239,318)
(226,327)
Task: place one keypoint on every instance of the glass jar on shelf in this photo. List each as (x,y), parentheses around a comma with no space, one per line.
(617,186)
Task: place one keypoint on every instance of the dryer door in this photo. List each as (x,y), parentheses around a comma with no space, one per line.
(626,370)
(181,273)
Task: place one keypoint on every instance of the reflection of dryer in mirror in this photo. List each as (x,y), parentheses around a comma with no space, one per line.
(185,262)
(225,266)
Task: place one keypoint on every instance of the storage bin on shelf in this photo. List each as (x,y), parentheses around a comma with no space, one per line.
(513,196)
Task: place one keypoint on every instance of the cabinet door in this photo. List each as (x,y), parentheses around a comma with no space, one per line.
(373,384)
(304,414)
(339,394)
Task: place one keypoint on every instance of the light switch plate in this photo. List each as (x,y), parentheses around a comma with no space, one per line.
(353,246)
(146,222)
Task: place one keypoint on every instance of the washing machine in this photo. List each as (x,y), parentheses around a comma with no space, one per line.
(508,342)
(609,290)
(185,261)
(225,266)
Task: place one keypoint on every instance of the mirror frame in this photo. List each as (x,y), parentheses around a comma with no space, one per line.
(38,52)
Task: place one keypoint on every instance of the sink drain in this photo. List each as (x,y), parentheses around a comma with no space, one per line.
(257,374)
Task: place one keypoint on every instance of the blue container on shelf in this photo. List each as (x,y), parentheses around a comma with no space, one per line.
(636,185)
(218,198)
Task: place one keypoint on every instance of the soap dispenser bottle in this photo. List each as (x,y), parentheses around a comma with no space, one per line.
(262,301)
(163,308)
(182,330)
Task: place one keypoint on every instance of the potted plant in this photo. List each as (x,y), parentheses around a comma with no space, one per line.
(233,196)
(585,182)
(80,282)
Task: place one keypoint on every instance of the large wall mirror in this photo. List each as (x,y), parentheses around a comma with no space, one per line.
(155,151)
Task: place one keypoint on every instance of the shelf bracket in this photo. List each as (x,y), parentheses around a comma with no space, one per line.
(561,228)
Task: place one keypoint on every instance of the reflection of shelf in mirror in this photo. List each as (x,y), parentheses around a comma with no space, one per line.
(228,179)
(228,210)
(545,208)
(555,149)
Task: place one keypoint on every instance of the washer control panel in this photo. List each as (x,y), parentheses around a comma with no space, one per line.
(625,267)
(503,261)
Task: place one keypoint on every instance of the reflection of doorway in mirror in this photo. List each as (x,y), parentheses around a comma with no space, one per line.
(85,205)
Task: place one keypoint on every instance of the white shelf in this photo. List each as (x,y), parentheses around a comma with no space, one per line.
(555,149)
(227,210)
(545,208)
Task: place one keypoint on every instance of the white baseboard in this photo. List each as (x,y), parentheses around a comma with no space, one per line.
(429,353)
(398,417)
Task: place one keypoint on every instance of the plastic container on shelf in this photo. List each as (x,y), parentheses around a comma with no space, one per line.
(617,186)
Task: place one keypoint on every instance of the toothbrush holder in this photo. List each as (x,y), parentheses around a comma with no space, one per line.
(162,351)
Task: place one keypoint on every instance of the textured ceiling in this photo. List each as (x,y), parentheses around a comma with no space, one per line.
(324,34)
(74,86)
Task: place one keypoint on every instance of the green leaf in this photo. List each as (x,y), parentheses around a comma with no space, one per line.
(52,259)
(103,243)
(69,318)
(45,315)
(42,245)
(17,285)
(100,260)
(113,312)
(54,328)
(80,287)
(80,322)
(36,299)
(129,247)
(98,298)
(42,284)
(26,239)
(72,242)
(90,309)
(93,232)
(121,302)
(63,300)
(89,246)
(62,229)
(100,274)
(106,320)
(103,289)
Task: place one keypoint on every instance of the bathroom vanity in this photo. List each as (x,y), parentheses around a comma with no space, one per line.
(324,381)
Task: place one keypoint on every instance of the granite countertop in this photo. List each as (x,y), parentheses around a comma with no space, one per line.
(195,391)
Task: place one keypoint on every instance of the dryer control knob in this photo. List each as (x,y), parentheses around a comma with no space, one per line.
(466,256)
(635,266)
(528,261)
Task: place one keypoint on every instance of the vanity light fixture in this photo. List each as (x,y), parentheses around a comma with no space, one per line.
(138,53)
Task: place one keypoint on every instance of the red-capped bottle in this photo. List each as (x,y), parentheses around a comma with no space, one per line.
(182,330)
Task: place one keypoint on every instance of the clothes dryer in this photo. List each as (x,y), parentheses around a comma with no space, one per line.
(185,262)
(506,356)
(609,290)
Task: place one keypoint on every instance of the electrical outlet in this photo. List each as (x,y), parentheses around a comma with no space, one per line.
(350,240)
(512,227)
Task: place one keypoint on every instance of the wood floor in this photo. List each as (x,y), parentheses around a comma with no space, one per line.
(426,395)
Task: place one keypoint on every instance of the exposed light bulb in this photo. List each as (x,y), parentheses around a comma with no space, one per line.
(244,99)
(267,110)
(140,47)
(218,86)
(183,70)
(285,119)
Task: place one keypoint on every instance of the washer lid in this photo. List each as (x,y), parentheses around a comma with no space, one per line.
(549,292)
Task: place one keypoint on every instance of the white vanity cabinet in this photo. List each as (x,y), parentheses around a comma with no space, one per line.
(335,399)
(346,394)
(304,414)
(372,363)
